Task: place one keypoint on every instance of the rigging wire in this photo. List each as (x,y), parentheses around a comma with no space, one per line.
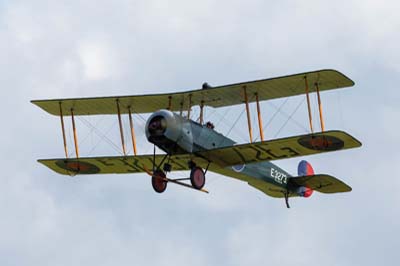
(234,123)
(213,112)
(240,115)
(90,132)
(143,120)
(223,116)
(222,119)
(290,117)
(101,135)
(277,110)
(240,134)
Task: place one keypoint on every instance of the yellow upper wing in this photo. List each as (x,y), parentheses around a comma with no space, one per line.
(215,97)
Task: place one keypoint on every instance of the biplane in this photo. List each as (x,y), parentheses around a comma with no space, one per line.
(194,146)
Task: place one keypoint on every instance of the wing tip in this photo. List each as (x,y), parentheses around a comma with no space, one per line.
(352,83)
(357,143)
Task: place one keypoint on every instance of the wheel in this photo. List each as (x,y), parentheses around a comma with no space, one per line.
(197,178)
(158,182)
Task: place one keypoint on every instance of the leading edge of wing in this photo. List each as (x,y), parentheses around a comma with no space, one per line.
(98,165)
(116,164)
(281,148)
(218,96)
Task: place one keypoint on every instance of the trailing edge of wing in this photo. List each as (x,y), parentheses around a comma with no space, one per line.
(320,183)
(226,95)
(281,148)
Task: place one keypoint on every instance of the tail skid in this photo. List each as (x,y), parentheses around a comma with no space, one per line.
(321,183)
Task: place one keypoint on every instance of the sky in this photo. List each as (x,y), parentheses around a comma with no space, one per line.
(56,49)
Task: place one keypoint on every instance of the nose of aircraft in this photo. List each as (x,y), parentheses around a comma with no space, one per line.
(162,125)
(169,132)
(157,126)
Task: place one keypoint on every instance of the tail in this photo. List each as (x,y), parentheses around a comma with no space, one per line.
(307,182)
(304,169)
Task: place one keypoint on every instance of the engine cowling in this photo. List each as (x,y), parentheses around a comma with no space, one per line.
(304,169)
(170,132)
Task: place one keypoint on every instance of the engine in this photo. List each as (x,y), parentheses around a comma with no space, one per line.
(178,135)
(304,169)
(170,132)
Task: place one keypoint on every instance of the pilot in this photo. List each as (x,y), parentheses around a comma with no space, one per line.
(206,86)
(210,125)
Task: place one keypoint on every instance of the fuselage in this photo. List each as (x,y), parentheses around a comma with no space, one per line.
(176,134)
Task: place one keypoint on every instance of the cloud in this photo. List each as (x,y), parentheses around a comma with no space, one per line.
(98,59)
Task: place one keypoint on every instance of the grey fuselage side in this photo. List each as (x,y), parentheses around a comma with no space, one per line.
(187,136)
(205,138)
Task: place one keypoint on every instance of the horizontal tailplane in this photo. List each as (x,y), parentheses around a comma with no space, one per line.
(321,183)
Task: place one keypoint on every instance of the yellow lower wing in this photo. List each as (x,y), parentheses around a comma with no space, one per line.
(117,164)
(219,158)
(281,148)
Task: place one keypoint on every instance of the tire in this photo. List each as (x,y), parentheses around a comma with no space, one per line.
(197,178)
(159,185)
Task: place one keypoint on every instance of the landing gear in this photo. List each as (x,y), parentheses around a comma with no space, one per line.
(167,167)
(158,181)
(159,178)
(197,177)
(287,199)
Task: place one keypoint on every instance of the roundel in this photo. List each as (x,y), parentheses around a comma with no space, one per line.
(78,167)
(321,143)
(238,168)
